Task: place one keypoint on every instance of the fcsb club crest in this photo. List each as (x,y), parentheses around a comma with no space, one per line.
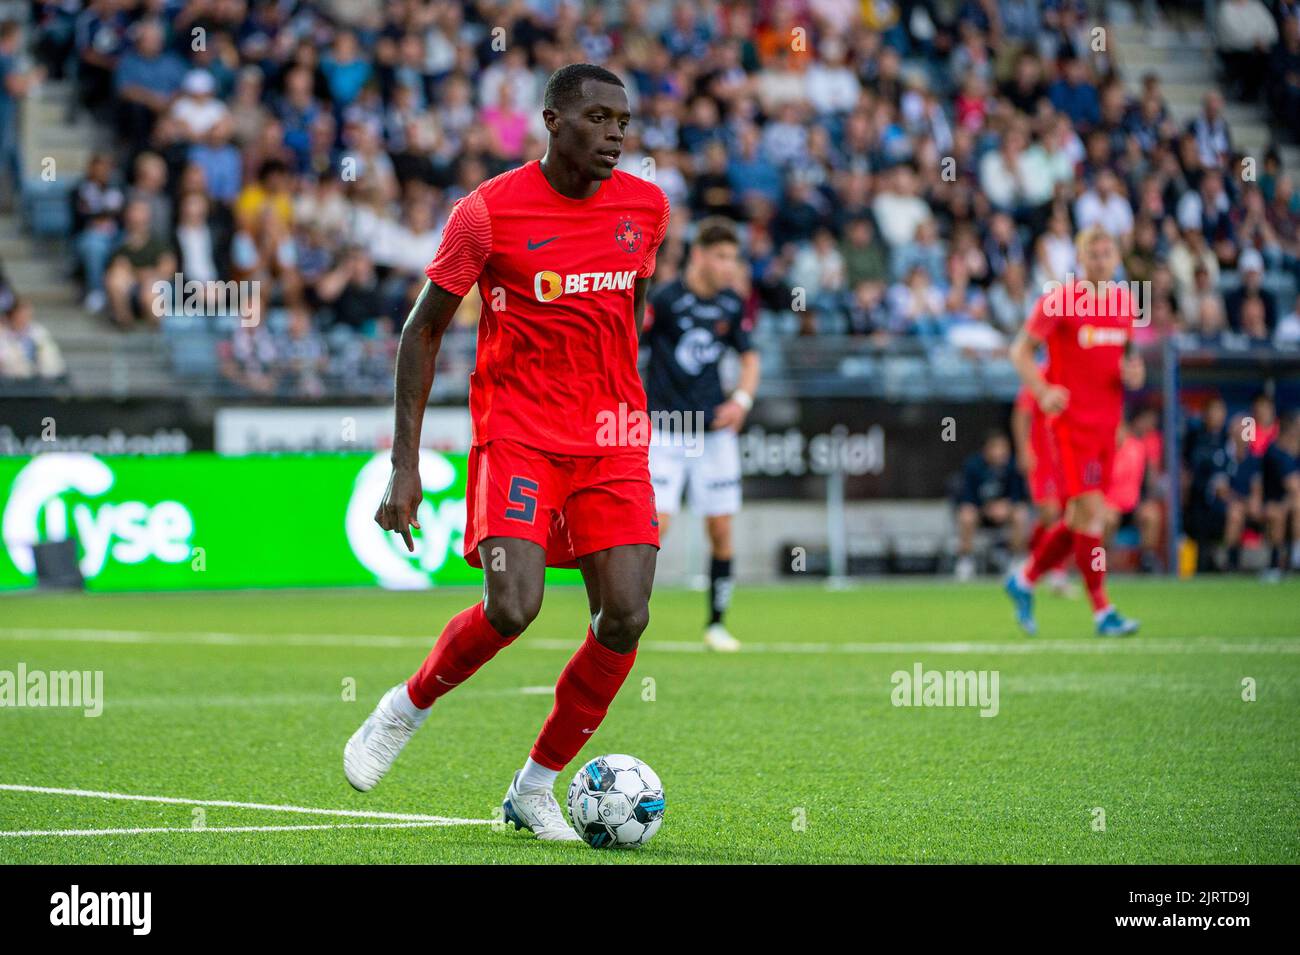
(627,235)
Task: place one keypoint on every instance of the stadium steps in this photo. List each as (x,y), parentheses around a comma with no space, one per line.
(1187,66)
(38,262)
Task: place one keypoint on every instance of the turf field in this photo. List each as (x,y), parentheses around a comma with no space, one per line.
(1140,750)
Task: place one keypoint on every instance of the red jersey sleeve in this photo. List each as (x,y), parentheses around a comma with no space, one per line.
(1040,324)
(465,246)
(647,268)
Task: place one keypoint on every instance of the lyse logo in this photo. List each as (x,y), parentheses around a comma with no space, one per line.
(103,908)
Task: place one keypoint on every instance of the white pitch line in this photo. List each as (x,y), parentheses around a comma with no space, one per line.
(141,831)
(228,804)
(1136,645)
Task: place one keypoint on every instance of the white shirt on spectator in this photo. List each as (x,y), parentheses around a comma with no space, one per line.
(898,216)
(1288,330)
(199,114)
(197,261)
(832,89)
(29,353)
(1113,214)
(1241,26)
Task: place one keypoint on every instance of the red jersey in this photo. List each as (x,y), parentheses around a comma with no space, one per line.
(557,337)
(1086,335)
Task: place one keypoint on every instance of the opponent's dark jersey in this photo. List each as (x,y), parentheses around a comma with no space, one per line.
(687,337)
(1277,465)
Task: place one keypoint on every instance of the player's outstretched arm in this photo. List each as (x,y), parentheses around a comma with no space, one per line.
(417,353)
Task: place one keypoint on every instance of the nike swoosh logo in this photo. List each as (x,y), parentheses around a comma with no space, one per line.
(537,245)
(589,732)
(444,682)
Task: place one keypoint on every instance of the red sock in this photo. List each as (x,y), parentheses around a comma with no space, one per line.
(467,642)
(582,697)
(1052,548)
(1086,558)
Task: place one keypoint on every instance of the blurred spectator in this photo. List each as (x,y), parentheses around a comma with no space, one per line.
(1105,205)
(97,211)
(1250,269)
(27,349)
(1210,129)
(144,80)
(990,494)
(142,259)
(924,250)
(1011,300)
(898,208)
(17,79)
(201,246)
(1287,333)
(1245,34)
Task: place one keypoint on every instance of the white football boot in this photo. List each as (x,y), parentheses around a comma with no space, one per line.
(373,748)
(538,812)
(717,638)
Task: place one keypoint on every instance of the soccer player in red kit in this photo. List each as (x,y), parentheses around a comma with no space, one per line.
(562,250)
(1086,328)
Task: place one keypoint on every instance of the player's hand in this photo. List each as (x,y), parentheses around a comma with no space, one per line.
(1053,399)
(401,502)
(1133,372)
(729,415)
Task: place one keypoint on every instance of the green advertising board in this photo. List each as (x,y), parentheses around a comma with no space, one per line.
(201,521)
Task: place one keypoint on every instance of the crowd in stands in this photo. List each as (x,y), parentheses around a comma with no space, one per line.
(901,171)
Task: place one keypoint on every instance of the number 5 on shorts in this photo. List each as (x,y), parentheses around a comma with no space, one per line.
(523,494)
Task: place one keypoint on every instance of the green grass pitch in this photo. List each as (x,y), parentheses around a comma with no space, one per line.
(1133,751)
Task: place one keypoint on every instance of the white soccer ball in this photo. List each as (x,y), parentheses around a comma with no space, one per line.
(616,802)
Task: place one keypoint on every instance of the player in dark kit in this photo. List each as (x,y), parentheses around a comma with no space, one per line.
(692,323)
(562,250)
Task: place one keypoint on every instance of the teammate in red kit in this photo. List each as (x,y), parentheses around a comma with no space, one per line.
(1086,328)
(562,250)
(1035,456)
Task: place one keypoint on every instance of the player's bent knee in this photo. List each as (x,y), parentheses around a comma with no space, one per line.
(620,629)
(512,613)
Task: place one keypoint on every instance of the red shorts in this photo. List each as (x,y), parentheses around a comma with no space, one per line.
(1084,457)
(570,505)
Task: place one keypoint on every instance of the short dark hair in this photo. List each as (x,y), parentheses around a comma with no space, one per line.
(715,230)
(565,84)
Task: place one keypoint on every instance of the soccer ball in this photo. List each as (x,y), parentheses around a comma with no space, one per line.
(616,802)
